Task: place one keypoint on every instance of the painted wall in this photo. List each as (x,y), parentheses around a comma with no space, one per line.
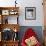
(22,4)
(39,13)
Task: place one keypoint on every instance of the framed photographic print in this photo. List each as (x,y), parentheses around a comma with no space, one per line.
(30,13)
(5,12)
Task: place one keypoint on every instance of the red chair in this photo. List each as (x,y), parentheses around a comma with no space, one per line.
(29,33)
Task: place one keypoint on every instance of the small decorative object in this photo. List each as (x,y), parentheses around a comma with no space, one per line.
(15,36)
(15,30)
(6,21)
(7,34)
(5,12)
(13,12)
(15,3)
(0,12)
(30,13)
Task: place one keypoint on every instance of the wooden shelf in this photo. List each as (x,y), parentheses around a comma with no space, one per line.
(4,13)
(11,26)
(9,8)
(9,43)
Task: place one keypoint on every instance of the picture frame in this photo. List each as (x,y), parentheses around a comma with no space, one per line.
(30,13)
(5,20)
(7,34)
(5,12)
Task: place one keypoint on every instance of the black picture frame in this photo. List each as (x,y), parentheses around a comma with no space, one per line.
(30,13)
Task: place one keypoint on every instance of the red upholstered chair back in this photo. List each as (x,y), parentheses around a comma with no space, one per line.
(29,33)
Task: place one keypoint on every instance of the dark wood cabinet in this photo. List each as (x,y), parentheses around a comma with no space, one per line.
(5,12)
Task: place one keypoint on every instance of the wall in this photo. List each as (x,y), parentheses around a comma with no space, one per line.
(39,13)
(22,4)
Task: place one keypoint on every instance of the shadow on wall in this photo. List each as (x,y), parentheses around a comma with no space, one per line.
(37,29)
